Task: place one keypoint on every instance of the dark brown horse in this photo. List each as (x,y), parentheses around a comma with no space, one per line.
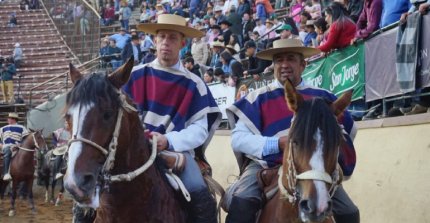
(22,166)
(310,173)
(107,140)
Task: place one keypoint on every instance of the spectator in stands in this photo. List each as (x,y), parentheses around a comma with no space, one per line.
(422,6)
(236,21)
(145,43)
(369,19)
(6,76)
(256,65)
(296,10)
(124,15)
(34,4)
(279,4)
(17,55)
(109,15)
(285,32)
(24,5)
(264,9)
(260,27)
(104,53)
(314,10)
(115,54)
(311,36)
(78,13)
(218,14)
(234,42)
(13,21)
(217,48)
(132,48)
(354,8)
(194,68)
(244,7)
(200,50)
(269,26)
(321,29)
(219,75)
(227,61)
(226,31)
(392,11)
(120,38)
(248,26)
(208,77)
(213,33)
(342,28)
(150,55)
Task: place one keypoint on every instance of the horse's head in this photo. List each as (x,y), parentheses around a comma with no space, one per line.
(94,110)
(310,170)
(35,140)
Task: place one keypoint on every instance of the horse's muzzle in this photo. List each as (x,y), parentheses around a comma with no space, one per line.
(81,187)
(309,211)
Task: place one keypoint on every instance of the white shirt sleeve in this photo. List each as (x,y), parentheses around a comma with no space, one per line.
(189,138)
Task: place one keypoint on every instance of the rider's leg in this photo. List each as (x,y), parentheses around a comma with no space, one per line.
(57,166)
(203,204)
(344,210)
(244,197)
(7,154)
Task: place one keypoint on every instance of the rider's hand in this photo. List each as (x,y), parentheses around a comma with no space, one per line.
(282,143)
(423,8)
(403,17)
(162,143)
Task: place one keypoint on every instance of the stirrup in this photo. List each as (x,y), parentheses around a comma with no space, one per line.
(58,176)
(7,177)
(174,161)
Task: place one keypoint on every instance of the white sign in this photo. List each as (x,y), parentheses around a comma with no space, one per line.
(224,96)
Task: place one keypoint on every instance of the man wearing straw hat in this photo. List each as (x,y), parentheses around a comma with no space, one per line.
(10,135)
(261,145)
(178,108)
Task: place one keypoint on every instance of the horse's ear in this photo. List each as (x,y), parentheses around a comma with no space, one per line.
(120,77)
(292,98)
(75,75)
(31,130)
(342,103)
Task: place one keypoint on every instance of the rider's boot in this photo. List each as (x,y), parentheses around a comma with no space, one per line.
(6,166)
(203,207)
(348,218)
(242,210)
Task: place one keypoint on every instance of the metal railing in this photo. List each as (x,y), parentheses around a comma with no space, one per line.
(79,25)
(59,84)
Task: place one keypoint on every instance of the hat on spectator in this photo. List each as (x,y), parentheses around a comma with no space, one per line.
(287,46)
(310,23)
(250,44)
(231,48)
(133,30)
(270,21)
(218,8)
(226,22)
(170,22)
(217,44)
(284,27)
(13,115)
(17,45)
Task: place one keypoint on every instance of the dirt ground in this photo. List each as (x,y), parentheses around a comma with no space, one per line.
(45,212)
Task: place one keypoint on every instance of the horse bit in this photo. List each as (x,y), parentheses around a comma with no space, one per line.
(111,151)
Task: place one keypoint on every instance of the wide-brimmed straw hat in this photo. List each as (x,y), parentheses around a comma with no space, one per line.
(287,46)
(217,44)
(13,115)
(230,47)
(170,22)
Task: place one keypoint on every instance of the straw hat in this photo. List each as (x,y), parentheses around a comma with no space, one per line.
(310,22)
(230,47)
(218,8)
(287,46)
(217,44)
(170,22)
(13,115)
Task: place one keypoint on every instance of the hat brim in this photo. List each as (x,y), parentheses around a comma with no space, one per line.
(305,51)
(152,28)
(233,51)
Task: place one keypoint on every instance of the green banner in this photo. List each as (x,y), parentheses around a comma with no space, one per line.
(339,72)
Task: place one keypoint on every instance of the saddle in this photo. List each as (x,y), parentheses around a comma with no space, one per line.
(268,181)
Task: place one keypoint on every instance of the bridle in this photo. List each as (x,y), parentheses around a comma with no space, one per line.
(290,192)
(36,144)
(111,150)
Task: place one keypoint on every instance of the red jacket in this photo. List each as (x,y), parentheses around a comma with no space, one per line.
(267,6)
(109,13)
(339,36)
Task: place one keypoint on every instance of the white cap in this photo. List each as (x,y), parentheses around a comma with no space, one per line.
(17,45)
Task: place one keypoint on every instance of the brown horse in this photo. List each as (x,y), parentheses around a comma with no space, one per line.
(107,140)
(310,173)
(22,168)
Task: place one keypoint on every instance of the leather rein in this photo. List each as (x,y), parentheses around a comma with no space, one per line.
(112,148)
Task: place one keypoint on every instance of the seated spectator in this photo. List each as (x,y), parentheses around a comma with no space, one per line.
(260,27)
(109,15)
(247,26)
(369,19)
(392,11)
(200,50)
(422,6)
(285,32)
(17,55)
(115,54)
(13,22)
(150,55)
(314,10)
(321,29)
(34,4)
(311,34)
(342,28)
(217,49)
(145,42)
(194,68)
(256,65)
(269,27)
(220,75)
(104,53)
(226,30)
(120,38)
(213,33)
(6,76)
(232,68)
(208,77)
(234,42)
(24,5)
(295,11)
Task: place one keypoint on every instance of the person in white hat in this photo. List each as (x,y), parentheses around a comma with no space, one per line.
(10,135)
(261,143)
(17,55)
(178,108)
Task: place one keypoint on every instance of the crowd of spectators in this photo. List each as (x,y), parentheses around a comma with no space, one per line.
(235,30)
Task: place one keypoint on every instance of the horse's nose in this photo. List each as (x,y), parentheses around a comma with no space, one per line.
(307,206)
(86,182)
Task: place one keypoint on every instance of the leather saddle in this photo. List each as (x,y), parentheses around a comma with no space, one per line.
(268,182)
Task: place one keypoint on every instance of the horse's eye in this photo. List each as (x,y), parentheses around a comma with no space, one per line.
(107,115)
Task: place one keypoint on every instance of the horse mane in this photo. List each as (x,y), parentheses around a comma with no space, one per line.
(311,115)
(92,89)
